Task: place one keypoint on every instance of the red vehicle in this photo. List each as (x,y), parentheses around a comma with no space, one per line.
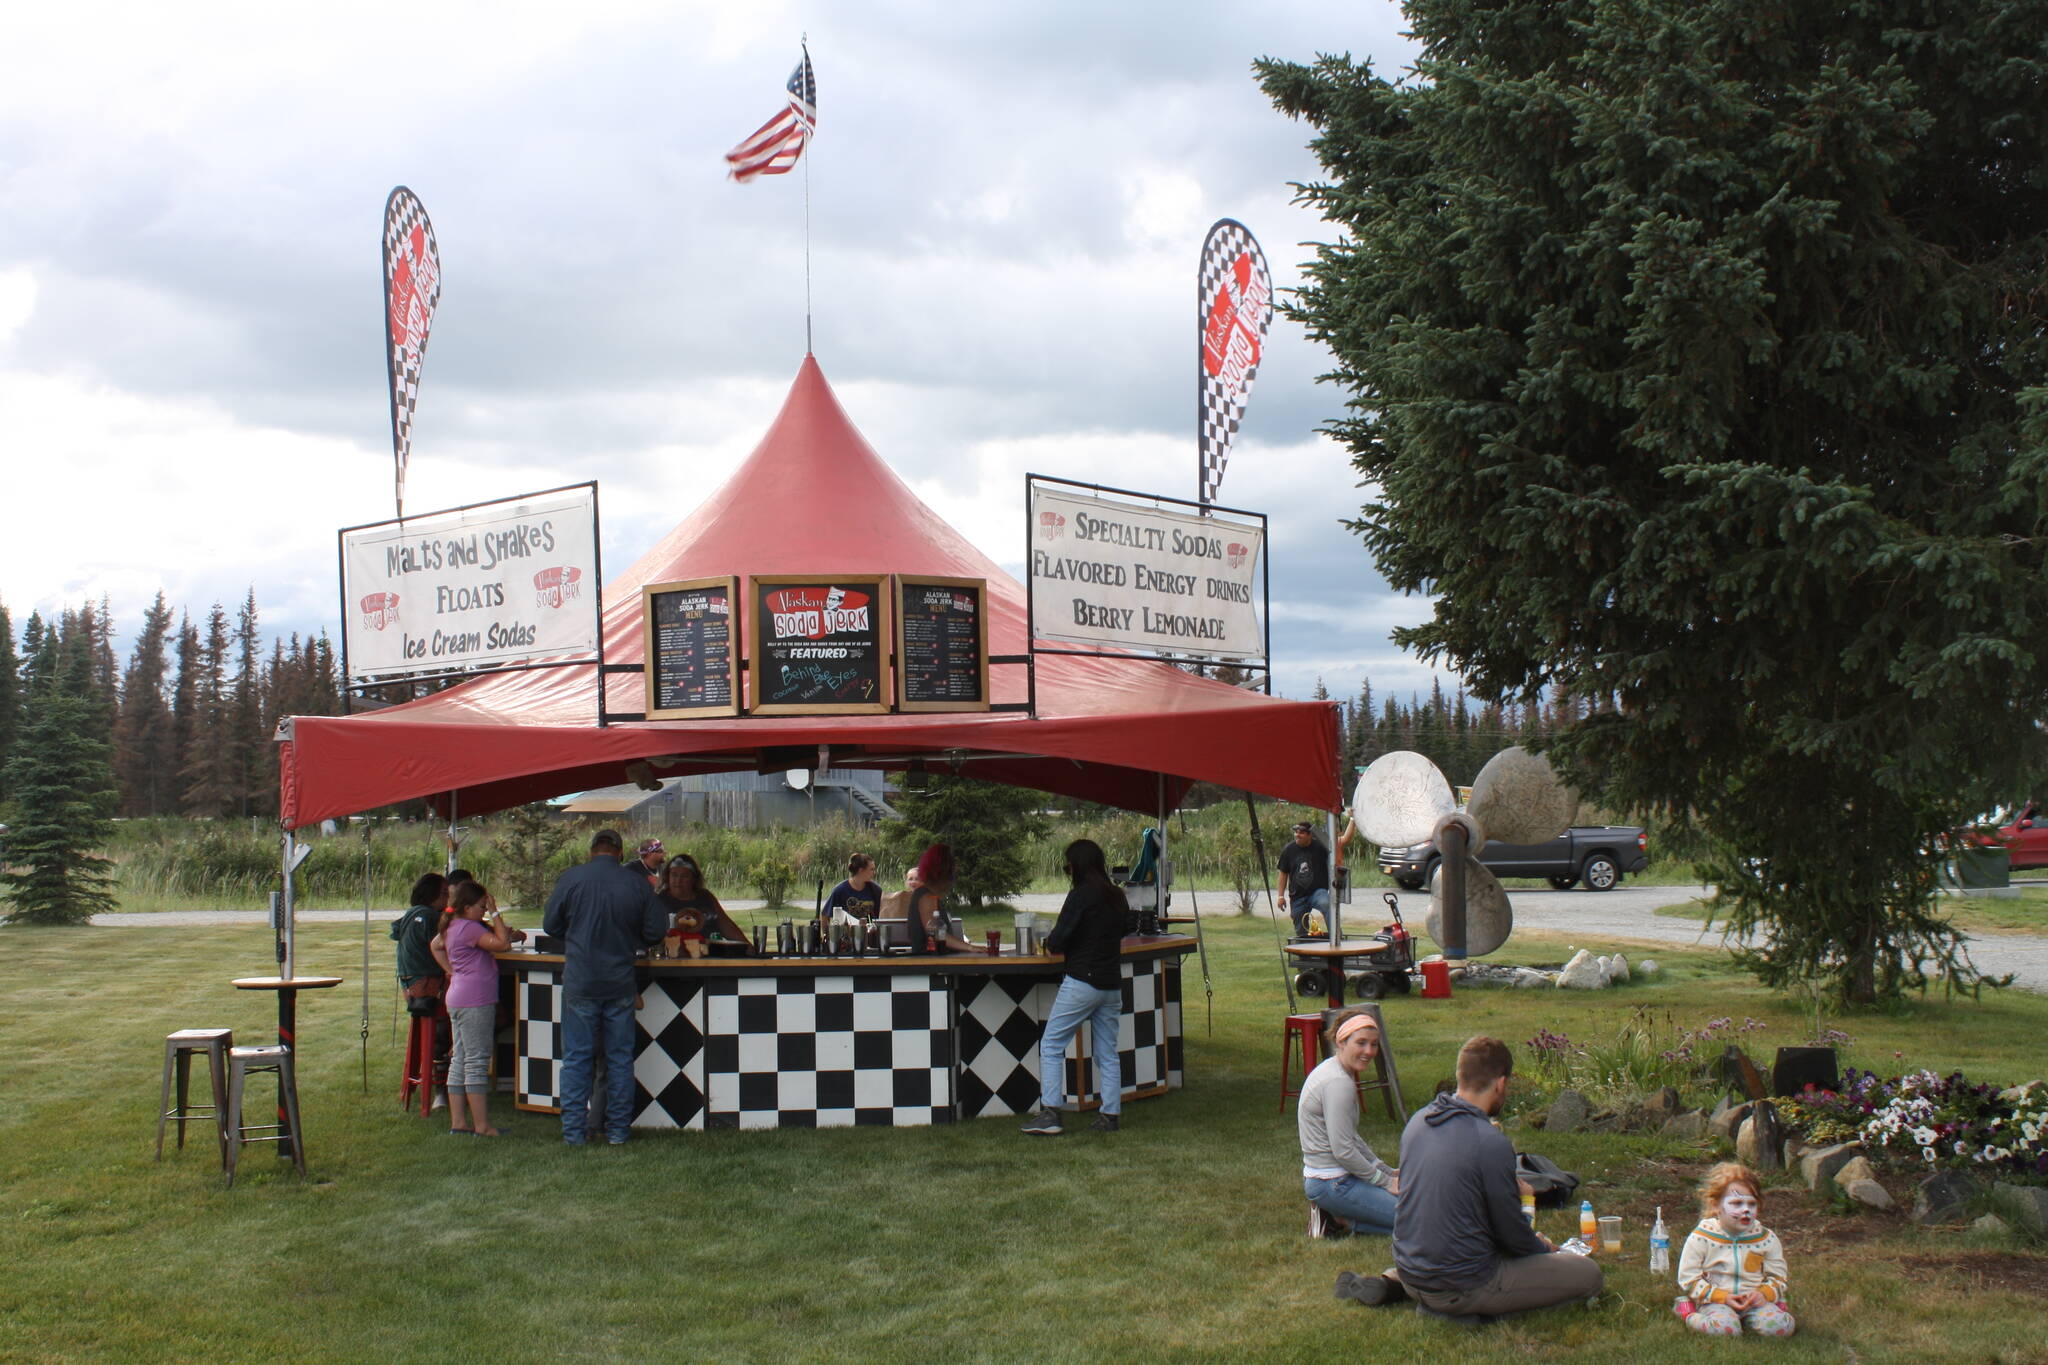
(2025,837)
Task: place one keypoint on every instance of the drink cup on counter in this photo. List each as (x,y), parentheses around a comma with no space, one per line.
(1610,1235)
(995,943)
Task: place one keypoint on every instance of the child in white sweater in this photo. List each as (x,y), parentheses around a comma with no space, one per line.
(1733,1268)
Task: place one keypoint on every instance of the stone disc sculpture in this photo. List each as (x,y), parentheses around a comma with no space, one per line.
(1518,798)
(1399,799)
(1489,918)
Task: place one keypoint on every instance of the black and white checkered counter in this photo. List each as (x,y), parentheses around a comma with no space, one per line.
(830,1042)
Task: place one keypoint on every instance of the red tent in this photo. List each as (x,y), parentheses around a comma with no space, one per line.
(814,497)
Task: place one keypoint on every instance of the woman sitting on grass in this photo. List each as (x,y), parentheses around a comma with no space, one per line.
(464,946)
(1348,1186)
(1733,1269)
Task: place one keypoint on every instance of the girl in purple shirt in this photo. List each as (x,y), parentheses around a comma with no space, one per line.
(464,946)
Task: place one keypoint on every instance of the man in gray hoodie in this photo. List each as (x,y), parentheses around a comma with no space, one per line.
(1461,1246)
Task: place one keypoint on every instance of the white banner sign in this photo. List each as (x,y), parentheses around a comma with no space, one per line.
(496,584)
(1105,572)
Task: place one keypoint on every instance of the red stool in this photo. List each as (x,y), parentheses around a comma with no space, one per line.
(1309,1027)
(422,1071)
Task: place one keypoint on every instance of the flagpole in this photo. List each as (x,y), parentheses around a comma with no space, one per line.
(807,218)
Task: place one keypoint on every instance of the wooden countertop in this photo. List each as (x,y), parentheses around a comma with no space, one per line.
(1043,964)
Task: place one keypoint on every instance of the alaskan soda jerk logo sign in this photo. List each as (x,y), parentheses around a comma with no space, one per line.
(819,644)
(479,587)
(1114,573)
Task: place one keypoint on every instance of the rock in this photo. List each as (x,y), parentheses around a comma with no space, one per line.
(1854,1169)
(1691,1125)
(1990,1222)
(1528,978)
(1567,1113)
(1728,1120)
(1868,1193)
(1790,1151)
(1538,1119)
(1582,973)
(2013,1094)
(2026,1206)
(1609,1121)
(1617,968)
(1648,967)
(1760,1141)
(1662,1106)
(1819,1166)
(1943,1196)
(1740,1075)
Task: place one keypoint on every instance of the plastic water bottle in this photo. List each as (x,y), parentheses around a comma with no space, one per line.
(1589,1226)
(1660,1246)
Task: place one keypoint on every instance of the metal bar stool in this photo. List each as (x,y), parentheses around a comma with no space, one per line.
(178,1050)
(244,1062)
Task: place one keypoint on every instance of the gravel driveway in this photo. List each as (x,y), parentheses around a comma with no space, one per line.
(1623,915)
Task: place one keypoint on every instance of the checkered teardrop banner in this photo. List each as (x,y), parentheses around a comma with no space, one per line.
(412,290)
(1235,298)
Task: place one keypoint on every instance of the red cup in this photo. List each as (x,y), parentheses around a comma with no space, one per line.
(995,943)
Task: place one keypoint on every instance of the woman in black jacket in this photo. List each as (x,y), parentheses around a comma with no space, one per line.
(1090,933)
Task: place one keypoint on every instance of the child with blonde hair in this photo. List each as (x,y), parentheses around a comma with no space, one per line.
(1733,1268)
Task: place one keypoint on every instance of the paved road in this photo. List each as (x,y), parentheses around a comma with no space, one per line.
(1624,915)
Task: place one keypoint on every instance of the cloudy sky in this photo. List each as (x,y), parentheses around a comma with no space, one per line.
(1006,210)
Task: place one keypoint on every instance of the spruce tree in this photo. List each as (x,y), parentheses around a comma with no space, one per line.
(247,740)
(144,758)
(184,709)
(10,696)
(62,778)
(1694,351)
(208,761)
(988,825)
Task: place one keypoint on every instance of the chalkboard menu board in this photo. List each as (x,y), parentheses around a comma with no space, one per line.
(692,642)
(818,644)
(942,644)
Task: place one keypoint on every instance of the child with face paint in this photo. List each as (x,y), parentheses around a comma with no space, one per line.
(1733,1268)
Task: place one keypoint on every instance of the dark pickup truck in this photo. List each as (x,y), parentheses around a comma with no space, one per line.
(1595,856)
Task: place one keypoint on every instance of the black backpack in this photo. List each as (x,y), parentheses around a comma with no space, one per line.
(1552,1183)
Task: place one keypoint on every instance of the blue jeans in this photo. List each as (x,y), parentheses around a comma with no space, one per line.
(1078,1001)
(586,1024)
(1368,1208)
(1299,906)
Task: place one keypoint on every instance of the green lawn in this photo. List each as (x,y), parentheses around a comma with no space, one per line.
(1180,1238)
(2026,913)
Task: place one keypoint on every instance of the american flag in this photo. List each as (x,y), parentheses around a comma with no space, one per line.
(775,146)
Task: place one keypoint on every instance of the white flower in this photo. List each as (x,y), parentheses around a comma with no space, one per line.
(1928,1152)
(1924,1136)
(1962,1148)
(2031,1132)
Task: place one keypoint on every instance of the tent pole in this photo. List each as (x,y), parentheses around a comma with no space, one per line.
(454,842)
(1272,910)
(1336,907)
(1201,944)
(365,1024)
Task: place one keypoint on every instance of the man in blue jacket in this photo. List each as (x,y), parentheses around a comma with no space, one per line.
(605,914)
(1461,1247)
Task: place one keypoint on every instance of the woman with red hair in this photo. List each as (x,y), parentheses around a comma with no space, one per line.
(926,910)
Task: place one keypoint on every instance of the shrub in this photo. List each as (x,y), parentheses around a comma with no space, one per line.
(1927,1122)
(771,875)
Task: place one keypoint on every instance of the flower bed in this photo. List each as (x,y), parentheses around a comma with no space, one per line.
(1921,1120)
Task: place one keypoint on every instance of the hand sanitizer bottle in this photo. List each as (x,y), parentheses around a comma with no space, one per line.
(1660,1246)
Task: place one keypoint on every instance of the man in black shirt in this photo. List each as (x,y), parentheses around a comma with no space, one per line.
(1304,878)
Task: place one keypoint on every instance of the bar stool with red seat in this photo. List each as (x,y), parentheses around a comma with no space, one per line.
(423,1070)
(1309,1029)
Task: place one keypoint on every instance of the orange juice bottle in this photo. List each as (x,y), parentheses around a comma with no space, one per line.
(1589,1227)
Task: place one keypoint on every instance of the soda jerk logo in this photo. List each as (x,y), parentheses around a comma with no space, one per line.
(814,613)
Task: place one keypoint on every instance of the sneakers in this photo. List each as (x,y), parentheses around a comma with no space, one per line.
(1321,1225)
(1370,1290)
(1104,1123)
(1044,1123)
